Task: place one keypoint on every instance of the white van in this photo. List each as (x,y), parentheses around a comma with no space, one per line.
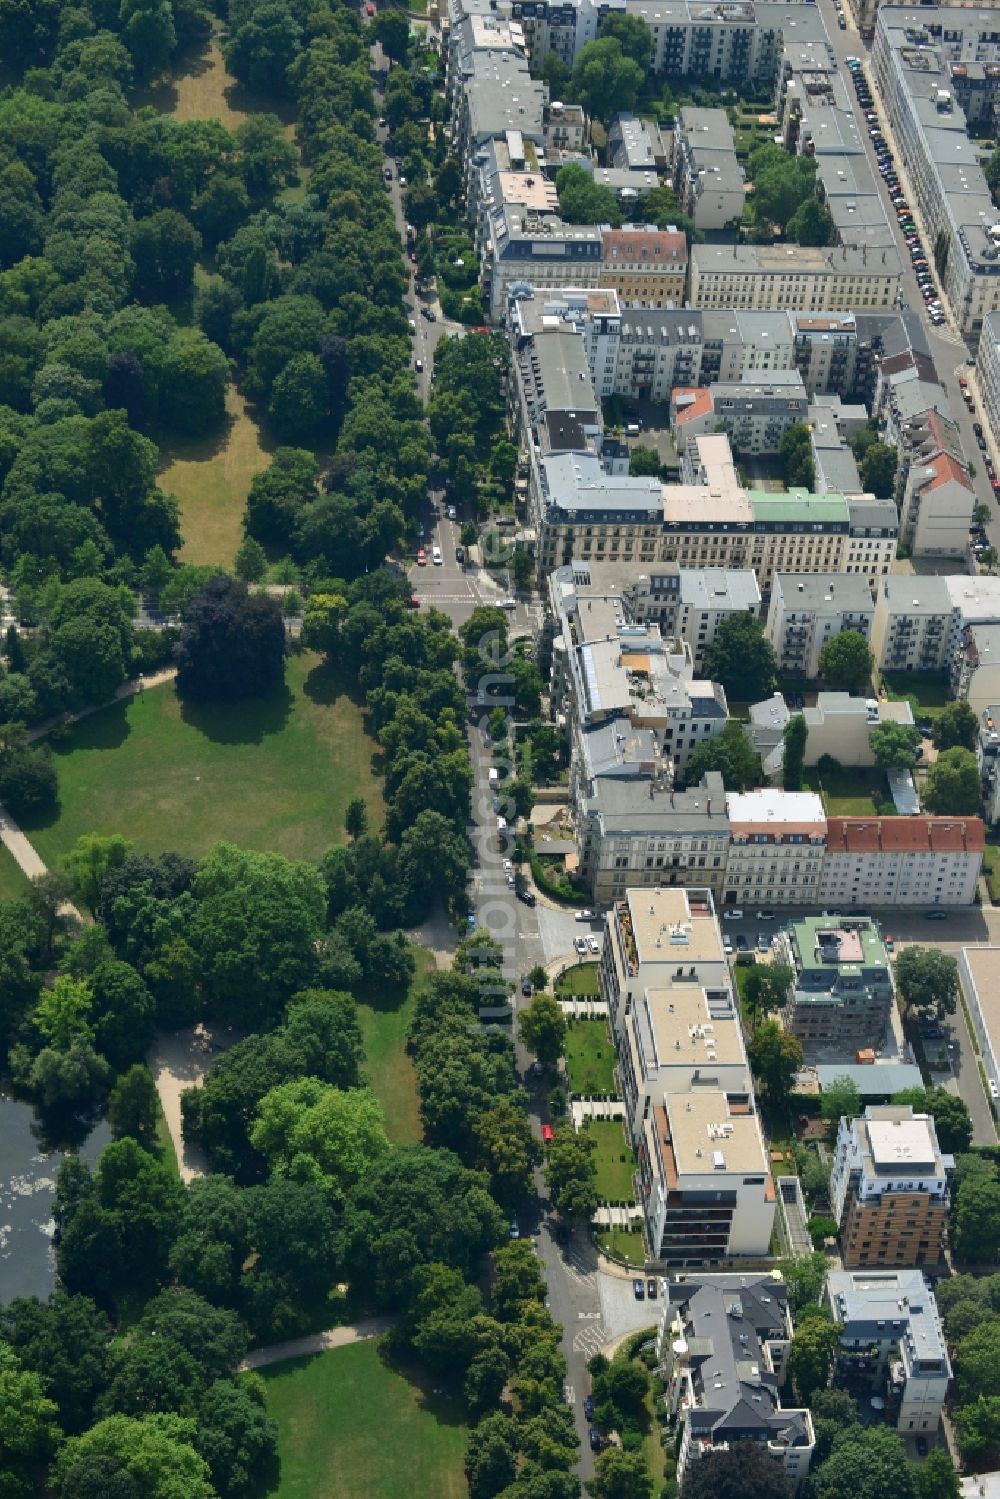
(494,777)
(436,556)
(501,825)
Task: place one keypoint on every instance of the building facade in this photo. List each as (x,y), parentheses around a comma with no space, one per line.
(707,173)
(903,861)
(794,277)
(842,990)
(807,611)
(646,266)
(891,1339)
(777,843)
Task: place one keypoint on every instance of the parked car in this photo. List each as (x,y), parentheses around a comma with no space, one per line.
(593,945)
(651,1287)
(733,913)
(584,916)
(639,1289)
(547,1135)
(581,946)
(588,1408)
(727,945)
(421,558)
(526,985)
(763,942)
(515,1229)
(527,896)
(921,1446)
(936,915)
(890,944)
(595,1439)
(742,945)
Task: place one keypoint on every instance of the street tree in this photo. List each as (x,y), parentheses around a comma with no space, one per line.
(570,1172)
(953,785)
(846,661)
(542,1028)
(895,745)
(794,736)
(949,1112)
(956,725)
(775,1057)
(621,1475)
(927,979)
(506,1149)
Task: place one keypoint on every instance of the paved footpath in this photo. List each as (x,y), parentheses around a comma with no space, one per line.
(317,1342)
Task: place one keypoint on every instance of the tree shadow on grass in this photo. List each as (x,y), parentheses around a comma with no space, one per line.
(438,1398)
(249,721)
(107,729)
(326,683)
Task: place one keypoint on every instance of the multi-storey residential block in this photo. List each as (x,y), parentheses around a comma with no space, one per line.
(794,277)
(776,848)
(704,1179)
(830,428)
(934,623)
(636,145)
(651,938)
(891,1339)
(889,1188)
(979,975)
(722,1347)
(826,351)
(645,265)
(919,58)
(525,248)
(754,415)
(687,605)
(988,755)
(675,1039)
(903,861)
(636,833)
(843,987)
(988,373)
(707,174)
(808,610)
(975,666)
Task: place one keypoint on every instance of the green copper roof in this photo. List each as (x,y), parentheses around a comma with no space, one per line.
(798,505)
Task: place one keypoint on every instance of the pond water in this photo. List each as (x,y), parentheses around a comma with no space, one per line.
(29,1164)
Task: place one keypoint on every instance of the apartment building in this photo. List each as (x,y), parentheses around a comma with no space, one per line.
(843,987)
(722,1346)
(707,175)
(903,861)
(754,415)
(639,833)
(651,938)
(525,248)
(920,60)
(808,610)
(933,624)
(988,374)
(892,1341)
(889,1189)
(975,666)
(831,426)
(777,843)
(979,975)
(636,145)
(645,265)
(687,605)
(826,351)
(988,755)
(676,1039)
(794,277)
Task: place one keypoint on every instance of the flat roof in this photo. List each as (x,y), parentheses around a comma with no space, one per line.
(768,809)
(900,1142)
(687,1029)
(826,593)
(707,1137)
(983,964)
(668,924)
(818,940)
(798,505)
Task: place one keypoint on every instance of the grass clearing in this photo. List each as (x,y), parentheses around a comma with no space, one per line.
(270,773)
(384,1024)
(13,881)
(350,1424)
(205,91)
(850,791)
(590,1059)
(926,691)
(581,979)
(165,1144)
(210,477)
(614,1160)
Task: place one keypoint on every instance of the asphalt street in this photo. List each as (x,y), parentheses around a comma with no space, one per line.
(948,348)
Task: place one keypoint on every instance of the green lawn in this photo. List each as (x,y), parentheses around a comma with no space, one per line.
(351,1426)
(926,691)
(590,1058)
(614,1175)
(581,979)
(13,884)
(626,1245)
(273,773)
(849,791)
(210,478)
(384,1023)
(168,1154)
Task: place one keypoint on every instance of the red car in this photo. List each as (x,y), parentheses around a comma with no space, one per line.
(547,1135)
(414,601)
(421,558)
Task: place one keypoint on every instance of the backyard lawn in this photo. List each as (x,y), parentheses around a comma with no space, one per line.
(13,884)
(590,1059)
(627,1245)
(927,691)
(580,979)
(848,791)
(271,773)
(614,1175)
(384,1023)
(349,1425)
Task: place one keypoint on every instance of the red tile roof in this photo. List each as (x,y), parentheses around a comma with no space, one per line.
(940,835)
(698,404)
(654,246)
(945,468)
